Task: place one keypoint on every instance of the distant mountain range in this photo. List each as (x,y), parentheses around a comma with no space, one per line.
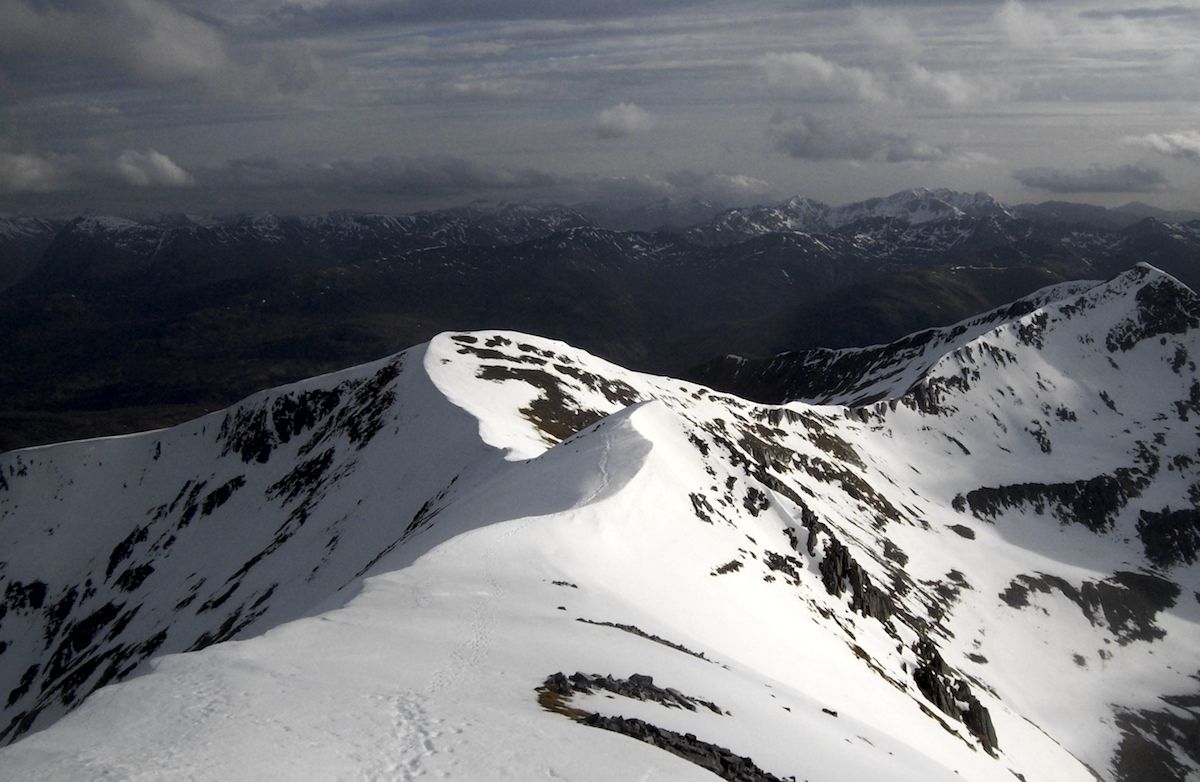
(971,554)
(114,324)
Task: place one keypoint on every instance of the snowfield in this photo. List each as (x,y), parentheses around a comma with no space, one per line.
(988,571)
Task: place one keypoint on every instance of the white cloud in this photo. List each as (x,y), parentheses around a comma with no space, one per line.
(151,168)
(26,172)
(812,77)
(1024,26)
(888,28)
(950,88)
(738,185)
(1183,144)
(30,171)
(621,120)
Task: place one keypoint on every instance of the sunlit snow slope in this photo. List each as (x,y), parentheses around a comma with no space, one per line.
(497,557)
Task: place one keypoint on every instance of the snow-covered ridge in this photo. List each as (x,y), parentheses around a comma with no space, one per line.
(857,376)
(380,571)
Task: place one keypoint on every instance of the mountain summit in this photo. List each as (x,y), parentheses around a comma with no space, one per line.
(908,208)
(496,556)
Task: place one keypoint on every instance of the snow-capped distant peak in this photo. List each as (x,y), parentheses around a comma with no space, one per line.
(916,207)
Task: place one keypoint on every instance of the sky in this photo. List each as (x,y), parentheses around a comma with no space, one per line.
(306,106)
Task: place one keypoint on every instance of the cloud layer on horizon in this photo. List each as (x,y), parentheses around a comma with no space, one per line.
(1129,178)
(876,97)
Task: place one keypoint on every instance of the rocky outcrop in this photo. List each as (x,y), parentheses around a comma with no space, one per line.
(558,688)
(719,760)
(952,695)
(638,686)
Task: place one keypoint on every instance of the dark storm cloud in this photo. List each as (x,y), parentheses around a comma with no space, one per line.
(374,13)
(399,176)
(120,43)
(136,183)
(811,137)
(1131,178)
(418,178)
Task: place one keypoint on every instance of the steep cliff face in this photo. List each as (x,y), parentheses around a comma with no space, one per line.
(469,556)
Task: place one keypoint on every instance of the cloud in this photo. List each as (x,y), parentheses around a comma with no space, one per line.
(135,182)
(40,172)
(417,176)
(325,15)
(1024,26)
(1183,144)
(146,42)
(474,88)
(812,77)
(716,186)
(888,28)
(151,169)
(1161,12)
(147,39)
(810,137)
(1130,178)
(950,88)
(26,172)
(621,120)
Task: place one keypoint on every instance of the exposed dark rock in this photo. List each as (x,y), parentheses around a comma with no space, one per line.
(132,578)
(838,569)
(711,757)
(27,680)
(643,634)
(254,432)
(702,507)
(1170,537)
(951,695)
(962,531)
(247,434)
(556,413)
(1126,603)
(1164,307)
(57,613)
(306,477)
(362,419)
(618,392)
(1093,503)
(292,415)
(637,686)
(1154,741)
(20,597)
(78,639)
(220,495)
(755,501)
(781,563)
(191,505)
(556,691)
(123,549)
(728,567)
